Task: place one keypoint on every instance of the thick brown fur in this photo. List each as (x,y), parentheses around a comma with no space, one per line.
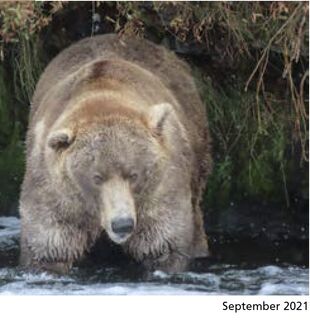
(115,105)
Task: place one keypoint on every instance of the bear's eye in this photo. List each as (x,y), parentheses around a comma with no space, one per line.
(133,177)
(98,179)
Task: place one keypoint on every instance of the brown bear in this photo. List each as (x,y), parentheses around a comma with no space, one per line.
(117,142)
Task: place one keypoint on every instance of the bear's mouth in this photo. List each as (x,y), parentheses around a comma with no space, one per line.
(118,238)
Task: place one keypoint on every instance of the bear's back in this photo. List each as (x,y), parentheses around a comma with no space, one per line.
(172,72)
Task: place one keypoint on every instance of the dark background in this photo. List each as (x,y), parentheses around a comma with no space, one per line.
(251,64)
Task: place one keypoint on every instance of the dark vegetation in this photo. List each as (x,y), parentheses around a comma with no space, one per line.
(251,63)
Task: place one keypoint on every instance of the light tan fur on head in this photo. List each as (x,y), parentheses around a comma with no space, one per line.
(117,203)
(101,125)
(39,129)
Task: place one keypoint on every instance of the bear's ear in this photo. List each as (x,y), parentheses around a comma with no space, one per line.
(60,139)
(159,115)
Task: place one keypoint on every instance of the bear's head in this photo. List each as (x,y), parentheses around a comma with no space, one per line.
(113,161)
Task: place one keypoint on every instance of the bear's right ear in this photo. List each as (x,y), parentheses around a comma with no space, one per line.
(60,139)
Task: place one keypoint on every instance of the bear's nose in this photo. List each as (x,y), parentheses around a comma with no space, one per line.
(122,226)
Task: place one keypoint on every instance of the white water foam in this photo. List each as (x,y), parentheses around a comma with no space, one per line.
(218,280)
(9,231)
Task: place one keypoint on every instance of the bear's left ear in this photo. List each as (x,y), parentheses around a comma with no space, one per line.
(159,115)
(60,139)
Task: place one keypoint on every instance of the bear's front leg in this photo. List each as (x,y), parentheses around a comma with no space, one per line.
(172,262)
(51,248)
(160,247)
(37,256)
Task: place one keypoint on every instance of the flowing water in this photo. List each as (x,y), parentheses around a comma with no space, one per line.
(211,279)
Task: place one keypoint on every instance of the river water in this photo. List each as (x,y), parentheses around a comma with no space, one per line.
(211,279)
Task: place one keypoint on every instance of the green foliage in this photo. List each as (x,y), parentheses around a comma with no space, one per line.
(11,149)
(27,67)
(5,116)
(11,172)
(250,158)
